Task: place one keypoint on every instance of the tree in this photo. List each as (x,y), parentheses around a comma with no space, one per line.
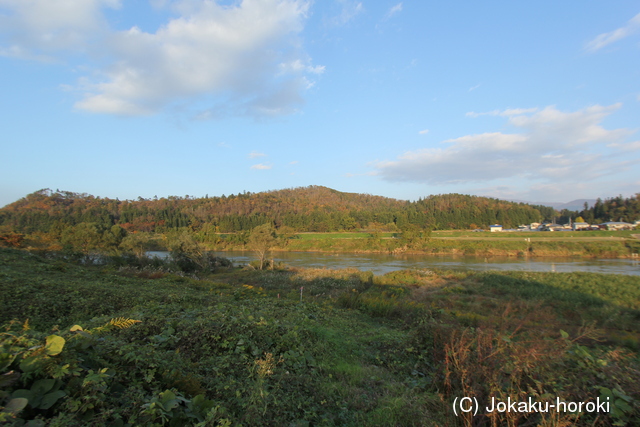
(112,238)
(261,240)
(136,243)
(348,223)
(84,237)
(414,237)
(9,238)
(187,253)
(285,234)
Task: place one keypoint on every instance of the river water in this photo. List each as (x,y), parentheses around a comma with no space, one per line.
(381,263)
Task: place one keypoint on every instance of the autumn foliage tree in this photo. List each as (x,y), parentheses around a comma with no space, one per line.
(261,240)
(306,209)
(11,239)
(136,243)
(84,237)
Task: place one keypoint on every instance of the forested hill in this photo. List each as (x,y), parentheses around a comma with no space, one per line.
(311,208)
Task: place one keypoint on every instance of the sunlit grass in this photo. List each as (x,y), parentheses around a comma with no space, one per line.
(356,349)
(353,235)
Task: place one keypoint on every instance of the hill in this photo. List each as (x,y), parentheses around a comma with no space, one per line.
(311,209)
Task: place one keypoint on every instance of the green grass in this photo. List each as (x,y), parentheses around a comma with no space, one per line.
(589,244)
(353,235)
(561,235)
(592,244)
(239,348)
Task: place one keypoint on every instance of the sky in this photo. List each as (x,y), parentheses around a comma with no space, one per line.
(535,101)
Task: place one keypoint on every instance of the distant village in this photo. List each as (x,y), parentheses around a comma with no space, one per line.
(572,226)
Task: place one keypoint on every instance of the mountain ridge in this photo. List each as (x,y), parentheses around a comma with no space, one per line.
(312,208)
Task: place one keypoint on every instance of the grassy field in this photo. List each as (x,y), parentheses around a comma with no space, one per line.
(107,345)
(591,244)
(463,234)
(323,236)
(537,235)
(602,248)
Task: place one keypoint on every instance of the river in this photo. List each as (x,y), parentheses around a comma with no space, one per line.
(381,263)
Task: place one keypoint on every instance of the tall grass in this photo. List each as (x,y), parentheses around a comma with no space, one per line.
(242,348)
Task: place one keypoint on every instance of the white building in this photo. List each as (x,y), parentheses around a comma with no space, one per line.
(613,225)
(552,227)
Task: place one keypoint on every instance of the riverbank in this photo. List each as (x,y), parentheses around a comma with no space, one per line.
(102,345)
(588,245)
(380,264)
(606,247)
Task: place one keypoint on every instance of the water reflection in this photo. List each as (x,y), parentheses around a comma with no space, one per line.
(380,263)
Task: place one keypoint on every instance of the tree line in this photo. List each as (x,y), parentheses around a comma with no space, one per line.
(613,209)
(306,209)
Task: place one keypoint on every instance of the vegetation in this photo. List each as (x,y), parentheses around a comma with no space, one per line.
(142,342)
(302,219)
(261,240)
(310,209)
(613,209)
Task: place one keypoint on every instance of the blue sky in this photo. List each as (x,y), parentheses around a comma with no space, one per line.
(536,101)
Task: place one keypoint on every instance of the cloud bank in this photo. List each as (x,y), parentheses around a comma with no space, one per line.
(240,59)
(39,29)
(549,146)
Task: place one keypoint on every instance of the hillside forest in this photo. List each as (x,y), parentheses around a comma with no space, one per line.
(62,219)
(95,332)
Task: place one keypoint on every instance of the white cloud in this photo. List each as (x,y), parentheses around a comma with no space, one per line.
(261,166)
(549,145)
(231,52)
(550,126)
(297,66)
(349,9)
(605,39)
(240,59)
(395,9)
(632,147)
(424,132)
(318,69)
(36,29)
(255,154)
(16,51)
(503,113)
